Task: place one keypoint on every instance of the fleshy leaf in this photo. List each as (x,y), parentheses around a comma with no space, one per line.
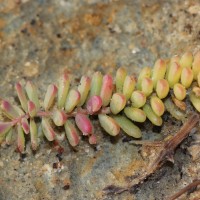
(92,139)
(9,110)
(129,86)
(145,73)
(128,126)
(162,88)
(174,110)
(50,96)
(47,129)
(198,79)
(180,104)
(147,86)
(106,90)
(20,139)
(63,89)
(21,95)
(84,124)
(179,91)
(196,65)
(138,99)
(83,89)
(195,101)
(187,77)
(32,94)
(109,124)
(117,103)
(25,125)
(186,60)
(72,100)
(96,84)
(157,105)
(196,91)
(9,136)
(34,134)
(158,71)
(135,114)
(19,110)
(71,133)
(5,127)
(94,104)
(32,109)
(59,117)
(120,78)
(174,74)
(156,120)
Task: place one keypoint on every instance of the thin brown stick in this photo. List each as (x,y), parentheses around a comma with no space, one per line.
(170,145)
(184,190)
(147,143)
(165,153)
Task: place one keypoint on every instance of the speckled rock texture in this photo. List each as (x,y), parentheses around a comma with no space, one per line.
(39,39)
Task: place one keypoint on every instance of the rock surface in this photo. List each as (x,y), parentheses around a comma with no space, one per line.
(40,39)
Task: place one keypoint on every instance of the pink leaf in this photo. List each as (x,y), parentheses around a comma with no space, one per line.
(9,110)
(106,90)
(32,109)
(25,125)
(94,104)
(92,139)
(5,127)
(84,124)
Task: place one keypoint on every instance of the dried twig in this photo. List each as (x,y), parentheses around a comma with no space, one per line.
(165,153)
(185,189)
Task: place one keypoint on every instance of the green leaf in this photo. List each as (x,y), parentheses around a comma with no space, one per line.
(109,124)
(71,133)
(47,129)
(96,84)
(135,114)
(128,127)
(117,103)
(34,134)
(120,78)
(63,89)
(32,93)
(72,100)
(20,139)
(50,96)
(21,95)
(156,120)
(83,89)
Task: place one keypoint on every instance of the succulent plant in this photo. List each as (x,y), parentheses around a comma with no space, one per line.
(118,102)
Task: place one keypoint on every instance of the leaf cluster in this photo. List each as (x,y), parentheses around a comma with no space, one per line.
(118,102)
